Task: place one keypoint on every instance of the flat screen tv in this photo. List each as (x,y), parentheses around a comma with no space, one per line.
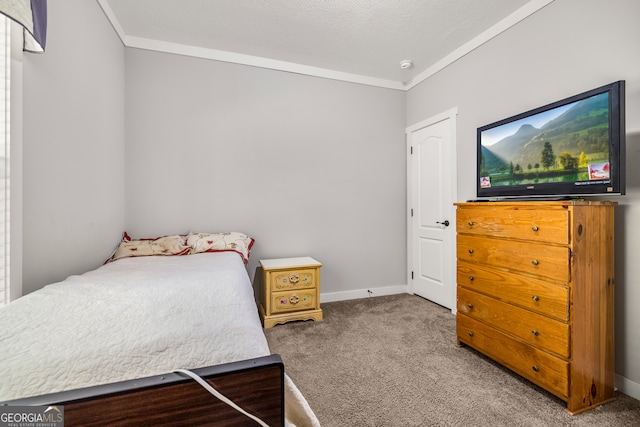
(568,149)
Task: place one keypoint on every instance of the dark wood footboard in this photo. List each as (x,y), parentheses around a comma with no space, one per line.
(256,385)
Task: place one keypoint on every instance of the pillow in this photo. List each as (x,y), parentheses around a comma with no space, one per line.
(167,245)
(217,242)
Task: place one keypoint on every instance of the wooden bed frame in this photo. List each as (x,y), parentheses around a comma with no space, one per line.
(256,385)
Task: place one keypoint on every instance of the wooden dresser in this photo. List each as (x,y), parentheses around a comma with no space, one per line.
(536,293)
(290,290)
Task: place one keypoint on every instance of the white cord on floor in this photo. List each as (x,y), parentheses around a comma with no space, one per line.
(219,395)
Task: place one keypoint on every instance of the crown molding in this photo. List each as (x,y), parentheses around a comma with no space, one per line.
(256,61)
(508,22)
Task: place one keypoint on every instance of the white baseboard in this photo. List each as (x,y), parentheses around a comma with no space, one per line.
(363,293)
(628,387)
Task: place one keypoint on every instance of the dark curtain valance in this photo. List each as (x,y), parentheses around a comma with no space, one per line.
(32,15)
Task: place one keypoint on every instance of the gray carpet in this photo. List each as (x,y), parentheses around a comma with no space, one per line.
(393,361)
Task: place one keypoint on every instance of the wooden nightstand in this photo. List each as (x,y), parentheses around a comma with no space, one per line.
(290,290)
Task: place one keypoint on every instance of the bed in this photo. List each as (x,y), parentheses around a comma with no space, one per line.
(137,317)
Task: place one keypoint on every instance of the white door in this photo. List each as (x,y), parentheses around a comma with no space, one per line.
(431,223)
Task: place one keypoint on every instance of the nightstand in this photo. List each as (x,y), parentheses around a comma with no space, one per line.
(290,290)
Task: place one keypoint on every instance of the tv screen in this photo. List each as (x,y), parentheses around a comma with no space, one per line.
(570,148)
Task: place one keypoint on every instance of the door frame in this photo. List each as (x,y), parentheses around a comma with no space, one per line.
(451,115)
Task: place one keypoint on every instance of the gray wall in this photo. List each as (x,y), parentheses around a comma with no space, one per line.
(73,145)
(566,48)
(306,166)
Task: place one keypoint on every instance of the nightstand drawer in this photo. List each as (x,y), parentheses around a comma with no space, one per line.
(290,290)
(293,301)
(293,279)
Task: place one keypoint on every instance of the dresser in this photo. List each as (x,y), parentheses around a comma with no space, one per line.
(535,292)
(290,290)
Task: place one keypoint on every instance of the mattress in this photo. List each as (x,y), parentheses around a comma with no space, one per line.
(132,318)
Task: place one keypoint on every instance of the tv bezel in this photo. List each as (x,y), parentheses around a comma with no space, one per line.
(566,190)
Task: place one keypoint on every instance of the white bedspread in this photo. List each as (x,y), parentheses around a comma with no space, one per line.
(139,316)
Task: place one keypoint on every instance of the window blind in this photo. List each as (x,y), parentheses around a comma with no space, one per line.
(5,67)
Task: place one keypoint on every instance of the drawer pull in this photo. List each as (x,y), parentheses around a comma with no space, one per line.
(534,262)
(534,228)
(535,368)
(294,278)
(470,278)
(470,251)
(470,306)
(535,298)
(470,334)
(535,333)
(294,299)
(470,223)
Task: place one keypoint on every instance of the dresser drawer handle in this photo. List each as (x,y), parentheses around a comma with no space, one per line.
(471,278)
(470,223)
(294,278)
(470,334)
(535,368)
(470,251)
(294,299)
(534,228)
(470,306)
(535,298)
(535,333)
(534,262)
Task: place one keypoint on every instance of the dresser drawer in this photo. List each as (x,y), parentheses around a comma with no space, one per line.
(536,295)
(293,301)
(533,258)
(535,225)
(544,369)
(293,279)
(540,331)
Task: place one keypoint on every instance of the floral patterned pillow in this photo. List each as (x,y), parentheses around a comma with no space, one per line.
(167,245)
(216,242)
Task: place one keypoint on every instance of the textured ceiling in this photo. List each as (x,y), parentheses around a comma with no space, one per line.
(359,37)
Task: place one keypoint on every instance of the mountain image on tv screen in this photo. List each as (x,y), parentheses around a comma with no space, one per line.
(569,143)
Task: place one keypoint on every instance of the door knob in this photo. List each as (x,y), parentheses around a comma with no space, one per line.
(445,222)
